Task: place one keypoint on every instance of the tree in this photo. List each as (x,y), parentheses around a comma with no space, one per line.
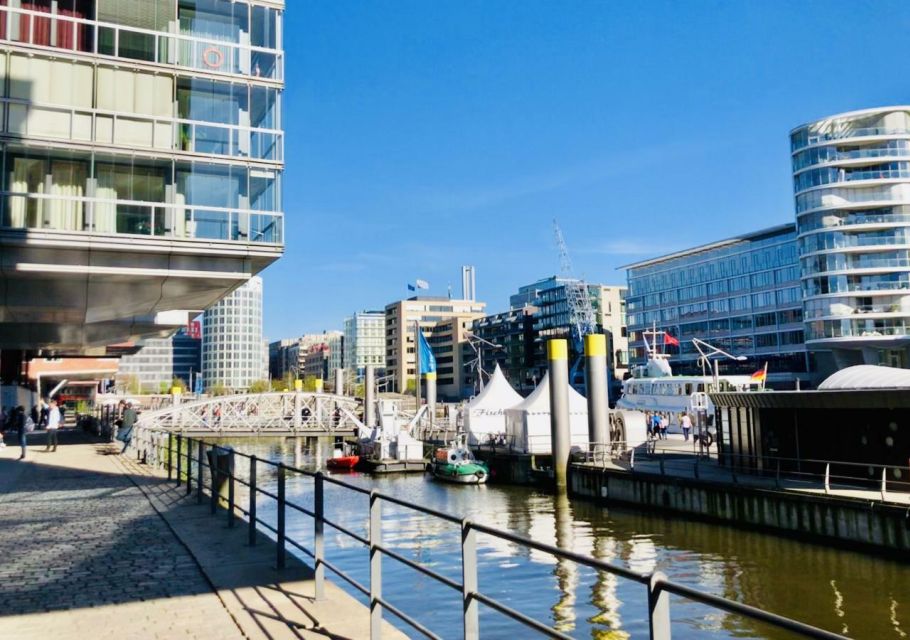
(218,389)
(259,386)
(309,383)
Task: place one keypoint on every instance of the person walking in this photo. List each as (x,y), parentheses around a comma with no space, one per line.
(23,422)
(686,423)
(664,425)
(126,433)
(53,423)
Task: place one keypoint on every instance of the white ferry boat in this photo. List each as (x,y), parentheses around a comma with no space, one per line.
(653,387)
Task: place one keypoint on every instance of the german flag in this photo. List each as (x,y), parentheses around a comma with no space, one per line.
(759,376)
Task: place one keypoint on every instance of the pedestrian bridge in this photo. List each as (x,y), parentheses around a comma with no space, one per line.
(284,413)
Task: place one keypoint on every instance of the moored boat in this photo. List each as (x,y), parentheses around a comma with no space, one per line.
(342,462)
(455,463)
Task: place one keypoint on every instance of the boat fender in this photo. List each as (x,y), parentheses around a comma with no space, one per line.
(479,473)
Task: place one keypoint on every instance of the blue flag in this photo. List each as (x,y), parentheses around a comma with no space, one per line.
(412,287)
(426,359)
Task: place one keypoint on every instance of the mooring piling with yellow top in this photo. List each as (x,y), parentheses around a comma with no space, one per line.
(558,363)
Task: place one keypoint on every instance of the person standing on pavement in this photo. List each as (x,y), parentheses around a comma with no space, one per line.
(126,432)
(53,424)
(686,423)
(20,420)
(664,425)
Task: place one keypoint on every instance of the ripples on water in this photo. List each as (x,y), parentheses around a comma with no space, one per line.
(851,593)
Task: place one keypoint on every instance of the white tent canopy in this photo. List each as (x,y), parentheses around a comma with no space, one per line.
(867,376)
(528,424)
(485,415)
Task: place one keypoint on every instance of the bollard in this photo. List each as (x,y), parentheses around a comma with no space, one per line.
(221,471)
(280,560)
(560,443)
(369,400)
(339,382)
(596,386)
(318,537)
(469,581)
(252,507)
(375,565)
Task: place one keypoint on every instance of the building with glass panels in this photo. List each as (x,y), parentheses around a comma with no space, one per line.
(232,347)
(364,342)
(160,360)
(741,295)
(141,153)
(851,178)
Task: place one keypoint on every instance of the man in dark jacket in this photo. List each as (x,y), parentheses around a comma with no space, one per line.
(126,431)
(20,421)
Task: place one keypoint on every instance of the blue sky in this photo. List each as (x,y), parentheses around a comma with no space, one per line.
(427,134)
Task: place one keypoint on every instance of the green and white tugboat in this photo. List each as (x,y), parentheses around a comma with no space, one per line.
(455,463)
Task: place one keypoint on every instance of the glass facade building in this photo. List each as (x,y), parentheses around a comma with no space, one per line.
(742,295)
(232,349)
(851,180)
(364,342)
(154,121)
(160,360)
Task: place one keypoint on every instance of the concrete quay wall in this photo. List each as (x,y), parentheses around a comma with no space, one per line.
(871,526)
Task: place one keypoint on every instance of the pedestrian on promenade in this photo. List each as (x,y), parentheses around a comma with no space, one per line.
(686,423)
(126,433)
(664,425)
(53,423)
(24,424)
(655,425)
(4,418)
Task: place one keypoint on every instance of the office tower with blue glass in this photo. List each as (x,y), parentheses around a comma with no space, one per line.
(141,153)
(851,178)
(741,294)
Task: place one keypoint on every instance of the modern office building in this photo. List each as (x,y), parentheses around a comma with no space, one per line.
(364,342)
(232,351)
(553,319)
(741,294)
(444,322)
(160,360)
(279,358)
(335,342)
(851,178)
(142,152)
(507,340)
(316,362)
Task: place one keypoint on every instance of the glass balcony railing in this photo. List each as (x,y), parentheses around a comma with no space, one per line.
(855,329)
(827,155)
(124,217)
(116,41)
(800,141)
(832,222)
(30,120)
(823,242)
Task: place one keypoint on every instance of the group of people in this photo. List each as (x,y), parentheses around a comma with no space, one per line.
(659,422)
(47,416)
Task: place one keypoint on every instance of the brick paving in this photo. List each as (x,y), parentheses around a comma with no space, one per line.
(85,555)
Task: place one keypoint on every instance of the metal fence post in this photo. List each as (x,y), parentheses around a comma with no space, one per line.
(696,467)
(179,459)
(658,608)
(252,509)
(375,566)
(170,461)
(828,478)
(662,463)
(777,478)
(318,540)
(230,506)
(281,541)
(200,453)
(213,472)
(469,581)
(884,482)
(189,466)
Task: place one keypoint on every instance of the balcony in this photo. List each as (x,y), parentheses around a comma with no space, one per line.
(78,35)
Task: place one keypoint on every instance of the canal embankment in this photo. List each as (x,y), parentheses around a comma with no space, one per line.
(843,520)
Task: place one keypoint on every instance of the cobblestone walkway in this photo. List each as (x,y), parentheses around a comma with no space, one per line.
(84,554)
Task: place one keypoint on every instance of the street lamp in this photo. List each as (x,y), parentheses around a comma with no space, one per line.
(706,351)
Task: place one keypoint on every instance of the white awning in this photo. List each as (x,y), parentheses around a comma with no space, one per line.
(867,376)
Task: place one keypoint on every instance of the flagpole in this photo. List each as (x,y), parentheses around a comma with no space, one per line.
(417,362)
(764,379)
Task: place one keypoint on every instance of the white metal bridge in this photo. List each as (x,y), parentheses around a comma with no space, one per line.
(294,413)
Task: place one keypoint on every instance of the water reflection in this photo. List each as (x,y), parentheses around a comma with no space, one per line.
(866,596)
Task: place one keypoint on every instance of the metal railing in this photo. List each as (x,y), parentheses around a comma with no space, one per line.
(780,472)
(158,448)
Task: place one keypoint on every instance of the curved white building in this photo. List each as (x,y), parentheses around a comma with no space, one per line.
(232,350)
(851,178)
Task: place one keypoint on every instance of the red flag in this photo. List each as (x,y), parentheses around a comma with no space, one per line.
(759,376)
(668,339)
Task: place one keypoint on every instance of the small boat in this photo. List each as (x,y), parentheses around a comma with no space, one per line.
(457,464)
(343,458)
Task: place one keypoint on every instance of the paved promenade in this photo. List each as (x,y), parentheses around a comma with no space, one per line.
(97,546)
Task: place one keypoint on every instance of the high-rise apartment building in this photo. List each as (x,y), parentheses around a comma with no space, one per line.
(364,342)
(141,148)
(161,360)
(444,322)
(851,179)
(741,294)
(232,350)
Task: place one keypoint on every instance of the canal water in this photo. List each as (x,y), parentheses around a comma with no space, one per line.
(859,595)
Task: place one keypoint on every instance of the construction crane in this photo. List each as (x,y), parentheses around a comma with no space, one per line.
(582,319)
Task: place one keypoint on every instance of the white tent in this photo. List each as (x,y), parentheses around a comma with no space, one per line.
(528,424)
(485,415)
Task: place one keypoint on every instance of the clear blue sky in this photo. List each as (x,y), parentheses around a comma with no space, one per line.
(427,134)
